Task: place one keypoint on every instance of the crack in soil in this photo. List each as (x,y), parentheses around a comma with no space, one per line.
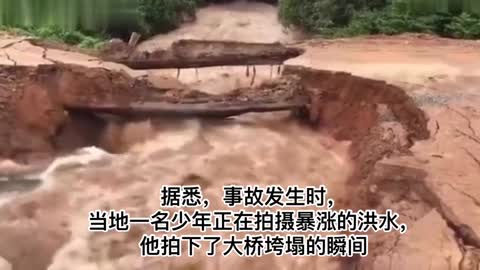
(475,200)
(469,153)
(416,179)
(10,59)
(463,231)
(469,122)
(465,235)
(437,127)
(45,57)
(13,43)
(471,137)
(395,244)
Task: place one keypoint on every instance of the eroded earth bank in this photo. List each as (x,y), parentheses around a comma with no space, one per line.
(390,123)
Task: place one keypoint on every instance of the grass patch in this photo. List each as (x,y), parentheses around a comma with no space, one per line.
(52,33)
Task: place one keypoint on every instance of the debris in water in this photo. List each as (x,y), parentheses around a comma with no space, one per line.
(203,53)
(254,75)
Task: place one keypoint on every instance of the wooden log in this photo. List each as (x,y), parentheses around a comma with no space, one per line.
(205,53)
(39,105)
(218,110)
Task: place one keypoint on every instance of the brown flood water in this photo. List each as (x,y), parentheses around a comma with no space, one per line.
(48,226)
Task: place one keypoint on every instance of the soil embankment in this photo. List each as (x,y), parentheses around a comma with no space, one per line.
(409,144)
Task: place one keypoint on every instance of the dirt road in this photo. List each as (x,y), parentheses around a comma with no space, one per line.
(434,187)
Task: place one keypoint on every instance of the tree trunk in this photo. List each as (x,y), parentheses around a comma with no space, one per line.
(198,53)
(220,110)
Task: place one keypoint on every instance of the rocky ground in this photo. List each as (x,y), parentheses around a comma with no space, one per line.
(375,150)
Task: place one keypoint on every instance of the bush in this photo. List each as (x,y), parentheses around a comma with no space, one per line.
(117,17)
(165,15)
(331,18)
(320,15)
(314,15)
(464,26)
(429,7)
(54,33)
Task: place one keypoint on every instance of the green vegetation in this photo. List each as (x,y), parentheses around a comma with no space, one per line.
(87,22)
(80,15)
(330,18)
(165,15)
(53,33)
(84,22)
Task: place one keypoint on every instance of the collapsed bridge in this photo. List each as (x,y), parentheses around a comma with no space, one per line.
(40,104)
